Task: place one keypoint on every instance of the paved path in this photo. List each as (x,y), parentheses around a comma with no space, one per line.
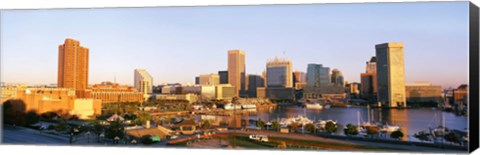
(11,135)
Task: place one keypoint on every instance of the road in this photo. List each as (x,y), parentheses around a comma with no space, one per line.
(11,135)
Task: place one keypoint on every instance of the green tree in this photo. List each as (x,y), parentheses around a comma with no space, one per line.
(114,129)
(310,127)
(142,118)
(451,137)
(396,134)
(275,125)
(31,118)
(61,126)
(97,129)
(330,127)
(260,124)
(351,130)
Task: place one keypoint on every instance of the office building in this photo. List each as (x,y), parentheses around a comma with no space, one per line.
(73,65)
(318,75)
(209,79)
(236,71)
(337,78)
(143,82)
(423,92)
(279,73)
(368,80)
(223,77)
(390,75)
(254,81)
(110,92)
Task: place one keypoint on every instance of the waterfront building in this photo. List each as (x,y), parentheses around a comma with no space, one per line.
(279,73)
(143,82)
(460,98)
(337,77)
(236,71)
(318,76)
(326,92)
(353,90)
(190,98)
(390,74)
(423,92)
(225,92)
(299,80)
(368,80)
(73,66)
(223,77)
(261,92)
(254,81)
(209,79)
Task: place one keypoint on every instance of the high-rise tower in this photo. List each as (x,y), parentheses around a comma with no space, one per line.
(236,71)
(72,65)
(391,74)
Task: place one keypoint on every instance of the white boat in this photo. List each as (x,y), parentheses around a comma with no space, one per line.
(230,106)
(249,106)
(313,106)
(261,138)
(321,124)
(299,120)
(390,128)
(326,106)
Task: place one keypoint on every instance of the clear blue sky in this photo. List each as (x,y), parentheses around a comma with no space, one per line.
(175,44)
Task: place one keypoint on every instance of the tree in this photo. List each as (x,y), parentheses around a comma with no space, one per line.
(396,134)
(351,130)
(114,129)
(61,126)
(142,118)
(260,124)
(97,129)
(372,131)
(330,127)
(451,137)
(31,118)
(146,140)
(275,125)
(206,124)
(293,126)
(310,127)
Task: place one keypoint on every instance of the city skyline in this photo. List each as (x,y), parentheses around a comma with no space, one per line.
(307,41)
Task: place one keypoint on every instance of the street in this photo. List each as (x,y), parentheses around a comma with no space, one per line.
(11,135)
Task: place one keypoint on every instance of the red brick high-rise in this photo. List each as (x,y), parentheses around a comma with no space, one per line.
(73,66)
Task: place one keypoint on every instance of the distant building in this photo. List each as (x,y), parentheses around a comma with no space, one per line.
(299,80)
(197,80)
(225,92)
(280,93)
(368,80)
(190,98)
(460,98)
(261,92)
(353,90)
(223,77)
(73,66)
(254,81)
(337,78)
(209,79)
(423,92)
(110,92)
(279,73)
(236,71)
(143,82)
(318,76)
(391,74)
(326,92)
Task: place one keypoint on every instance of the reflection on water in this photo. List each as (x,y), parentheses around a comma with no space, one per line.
(411,121)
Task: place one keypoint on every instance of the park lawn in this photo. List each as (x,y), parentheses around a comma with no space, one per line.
(326,145)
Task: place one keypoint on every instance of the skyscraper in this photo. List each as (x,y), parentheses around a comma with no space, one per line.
(368,80)
(143,82)
(391,74)
(337,78)
(318,76)
(279,73)
(236,71)
(72,65)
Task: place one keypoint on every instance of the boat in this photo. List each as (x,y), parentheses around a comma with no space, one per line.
(298,120)
(230,106)
(321,123)
(327,106)
(313,105)
(389,128)
(249,106)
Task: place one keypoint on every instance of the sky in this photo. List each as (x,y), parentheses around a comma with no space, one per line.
(175,44)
